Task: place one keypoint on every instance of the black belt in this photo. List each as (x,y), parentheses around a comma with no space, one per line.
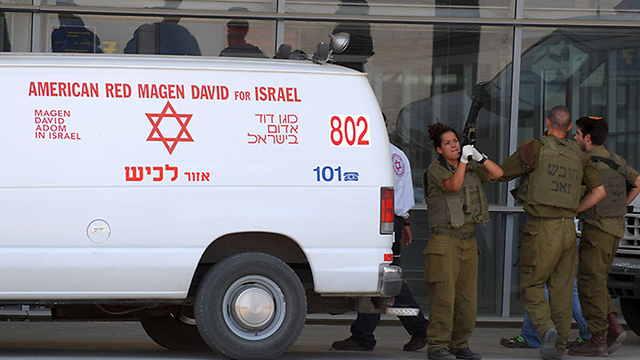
(458,234)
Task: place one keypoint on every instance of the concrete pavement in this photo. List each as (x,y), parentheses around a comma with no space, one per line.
(315,343)
(105,340)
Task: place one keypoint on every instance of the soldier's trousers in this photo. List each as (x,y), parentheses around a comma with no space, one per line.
(597,250)
(548,255)
(451,273)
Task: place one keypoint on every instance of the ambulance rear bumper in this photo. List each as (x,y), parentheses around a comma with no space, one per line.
(390,280)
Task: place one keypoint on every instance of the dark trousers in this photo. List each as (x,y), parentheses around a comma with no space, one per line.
(364,326)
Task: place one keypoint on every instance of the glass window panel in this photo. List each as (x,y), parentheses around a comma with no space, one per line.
(422,74)
(464,8)
(605,10)
(15,32)
(517,307)
(218,5)
(490,263)
(117,35)
(595,72)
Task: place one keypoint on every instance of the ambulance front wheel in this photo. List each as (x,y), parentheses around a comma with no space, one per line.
(251,306)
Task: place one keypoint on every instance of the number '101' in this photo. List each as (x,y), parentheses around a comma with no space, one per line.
(328,173)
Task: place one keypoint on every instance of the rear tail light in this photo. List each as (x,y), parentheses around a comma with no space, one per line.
(386,210)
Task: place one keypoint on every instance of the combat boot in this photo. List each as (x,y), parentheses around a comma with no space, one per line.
(615,334)
(596,346)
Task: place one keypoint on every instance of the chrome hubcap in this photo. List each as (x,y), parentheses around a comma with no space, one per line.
(254,307)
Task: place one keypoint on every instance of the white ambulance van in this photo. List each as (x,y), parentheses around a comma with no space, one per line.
(218,201)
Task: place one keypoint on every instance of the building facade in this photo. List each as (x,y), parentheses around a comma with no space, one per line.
(425,59)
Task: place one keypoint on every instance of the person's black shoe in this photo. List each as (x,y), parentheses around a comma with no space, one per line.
(466,353)
(441,354)
(417,342)
(350,344)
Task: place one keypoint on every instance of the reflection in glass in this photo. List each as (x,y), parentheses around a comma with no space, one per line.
(164,37)
(490,261)
(73,36)
(601,10)
(594,73)
(5,44)
(466,63)
(238,46)
(457,8)
(360,47)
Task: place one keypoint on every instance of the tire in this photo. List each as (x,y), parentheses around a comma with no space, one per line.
(176,331)
(631,313)
(250,306)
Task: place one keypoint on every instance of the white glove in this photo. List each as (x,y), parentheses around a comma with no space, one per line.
(467,153)
(478,156)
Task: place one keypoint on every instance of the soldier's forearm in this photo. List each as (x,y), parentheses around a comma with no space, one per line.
(634,192)
(592,198)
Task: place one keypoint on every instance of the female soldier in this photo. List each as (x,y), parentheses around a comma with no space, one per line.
(456,204)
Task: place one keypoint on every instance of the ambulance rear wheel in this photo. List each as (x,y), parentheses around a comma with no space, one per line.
(175,331)
(251,306)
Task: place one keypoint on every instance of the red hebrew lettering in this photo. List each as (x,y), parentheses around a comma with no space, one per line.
(160,171)
(131,174)
(174,169)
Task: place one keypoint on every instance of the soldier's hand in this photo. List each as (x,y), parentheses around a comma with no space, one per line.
(478,156)
(467,153)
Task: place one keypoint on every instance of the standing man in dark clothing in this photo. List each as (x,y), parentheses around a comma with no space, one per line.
(602,228)
(552,170)
(73,37)
(360,47)
(362,329)
(238,47)
(166,37)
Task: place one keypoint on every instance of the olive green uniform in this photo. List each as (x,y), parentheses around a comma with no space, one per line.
(602,228)
(451,255)
(550,190)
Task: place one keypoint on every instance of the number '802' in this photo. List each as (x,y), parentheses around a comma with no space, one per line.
(347,130)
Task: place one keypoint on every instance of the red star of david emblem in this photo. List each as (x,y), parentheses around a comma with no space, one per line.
(169,113)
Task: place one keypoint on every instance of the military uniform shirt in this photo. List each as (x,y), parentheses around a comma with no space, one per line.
(513,167)
(437,174)
(611,225)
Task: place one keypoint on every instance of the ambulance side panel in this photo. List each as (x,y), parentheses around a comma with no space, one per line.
(117,173)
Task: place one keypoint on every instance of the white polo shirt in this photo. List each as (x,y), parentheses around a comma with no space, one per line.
(402,183)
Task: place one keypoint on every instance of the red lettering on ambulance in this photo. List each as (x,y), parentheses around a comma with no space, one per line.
(210,92)
(162,91)
(53,113)
(118,90)
(279,94)
(63,89)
